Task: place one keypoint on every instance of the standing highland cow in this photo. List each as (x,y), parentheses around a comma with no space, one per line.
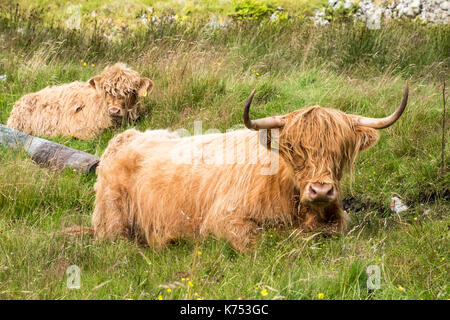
(79,109)
(162,189)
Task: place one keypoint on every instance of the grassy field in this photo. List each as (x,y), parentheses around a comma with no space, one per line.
(205,73)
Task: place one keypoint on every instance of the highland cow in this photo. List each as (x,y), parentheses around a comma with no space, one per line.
(82,110)
(160,189)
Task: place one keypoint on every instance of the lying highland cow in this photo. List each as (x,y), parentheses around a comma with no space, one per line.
(229,184)
(79,109)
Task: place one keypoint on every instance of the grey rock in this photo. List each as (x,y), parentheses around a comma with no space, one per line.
(373,13)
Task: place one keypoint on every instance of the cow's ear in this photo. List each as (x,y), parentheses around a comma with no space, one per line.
(365,137)
(145,87)
(95,81)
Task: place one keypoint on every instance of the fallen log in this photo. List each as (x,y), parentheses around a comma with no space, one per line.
(47,153)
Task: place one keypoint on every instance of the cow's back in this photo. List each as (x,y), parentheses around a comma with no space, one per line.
(70,109)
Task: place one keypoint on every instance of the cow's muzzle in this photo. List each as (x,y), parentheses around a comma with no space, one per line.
(320,193)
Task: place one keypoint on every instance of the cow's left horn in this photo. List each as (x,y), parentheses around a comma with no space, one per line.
(381,123)
(264,123)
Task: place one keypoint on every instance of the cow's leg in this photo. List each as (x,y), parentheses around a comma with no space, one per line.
(328,220)
(110,220)
(310,222)
(242,234)
(113,215)
(240,231)
(158,239)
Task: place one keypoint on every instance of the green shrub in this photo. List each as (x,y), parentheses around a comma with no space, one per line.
(253,9)
(341,13)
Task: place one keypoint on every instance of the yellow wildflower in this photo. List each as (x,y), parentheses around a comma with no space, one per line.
(321,296)
(264,292)
(160,297)
(169,290)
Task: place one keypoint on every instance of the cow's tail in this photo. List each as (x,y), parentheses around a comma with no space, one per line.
(76,231)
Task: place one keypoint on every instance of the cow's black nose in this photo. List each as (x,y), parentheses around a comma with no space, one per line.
(321,192)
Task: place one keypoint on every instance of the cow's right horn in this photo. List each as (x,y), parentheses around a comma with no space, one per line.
(381,123)
(264,123)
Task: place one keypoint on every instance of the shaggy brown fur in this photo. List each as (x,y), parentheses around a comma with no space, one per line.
(146,189)
(79,109)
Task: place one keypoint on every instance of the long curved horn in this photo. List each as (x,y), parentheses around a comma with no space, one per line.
(264,123)
(381,123)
